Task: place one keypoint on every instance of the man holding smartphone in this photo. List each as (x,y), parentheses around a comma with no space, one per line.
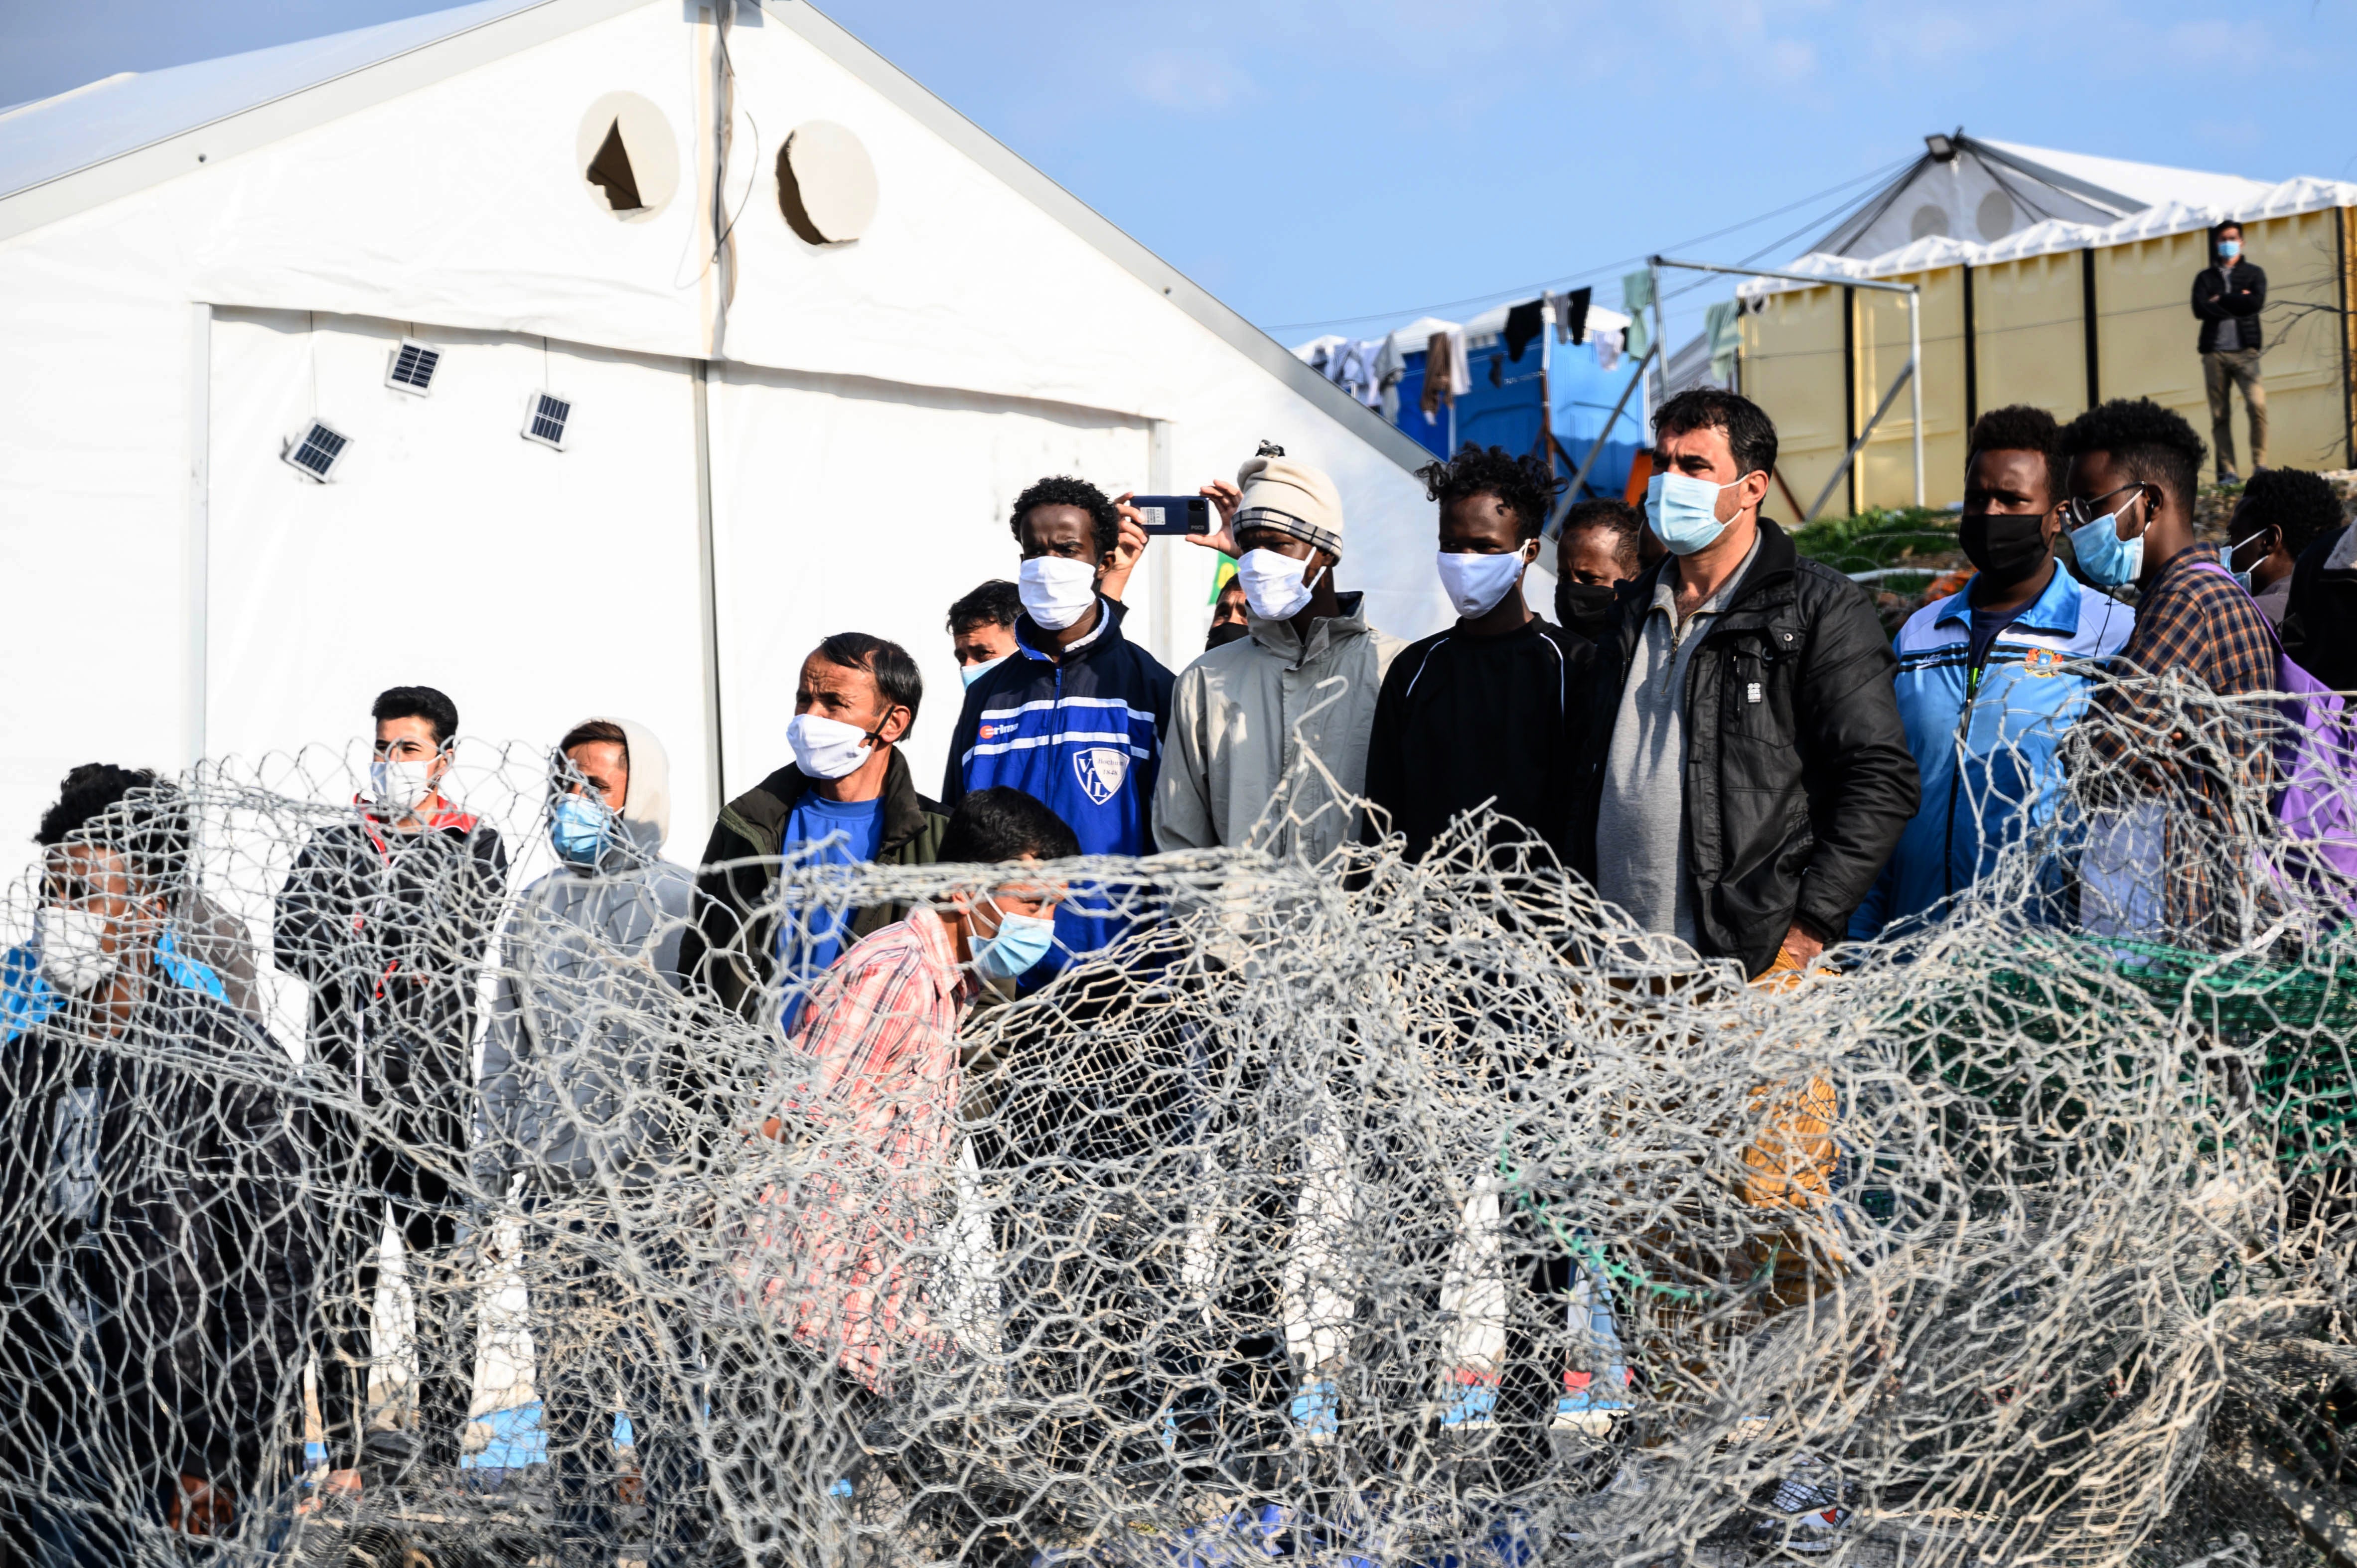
(1303,678)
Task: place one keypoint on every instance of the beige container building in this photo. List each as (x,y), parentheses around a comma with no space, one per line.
(2048,278)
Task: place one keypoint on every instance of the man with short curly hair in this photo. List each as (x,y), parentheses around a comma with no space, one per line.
(2282,512)
(1486,711)
(2135,468)
(1074,716)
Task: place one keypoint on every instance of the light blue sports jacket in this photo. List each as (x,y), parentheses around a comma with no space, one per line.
(1985,741)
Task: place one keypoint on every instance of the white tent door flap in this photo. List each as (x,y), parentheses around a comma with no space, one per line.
(841,505)
(535,586)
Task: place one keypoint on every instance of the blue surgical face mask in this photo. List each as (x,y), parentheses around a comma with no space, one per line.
(581,827)
(1020,943)
(2104,558)
(2229,248)
(972,672)
(1684,510)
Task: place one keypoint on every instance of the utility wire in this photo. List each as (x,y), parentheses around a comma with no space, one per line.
(1606,268)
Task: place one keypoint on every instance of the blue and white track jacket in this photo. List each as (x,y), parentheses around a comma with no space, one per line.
(1082,735)
(1985,741)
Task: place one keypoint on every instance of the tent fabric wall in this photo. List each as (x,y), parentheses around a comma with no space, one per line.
(536,587)
(844,507)
(456,205)
(2030,344)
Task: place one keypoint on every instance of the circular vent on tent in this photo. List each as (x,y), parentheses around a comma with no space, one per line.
(827,184)
(1929,219)
(1994,216)
(628,157)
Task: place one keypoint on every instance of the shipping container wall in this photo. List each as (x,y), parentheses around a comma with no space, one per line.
(1792,366)
(1887,465)
(2029,346)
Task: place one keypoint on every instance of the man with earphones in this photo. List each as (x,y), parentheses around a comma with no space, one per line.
(847,799)
(1746,771)
(1074,717)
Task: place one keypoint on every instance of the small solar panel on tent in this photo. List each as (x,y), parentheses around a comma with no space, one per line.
(545,416)
(317,450)
(412,368)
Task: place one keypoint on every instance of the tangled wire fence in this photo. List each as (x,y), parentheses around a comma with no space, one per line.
(1374,1213)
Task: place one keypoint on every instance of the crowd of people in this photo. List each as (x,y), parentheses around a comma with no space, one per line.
(1714,731)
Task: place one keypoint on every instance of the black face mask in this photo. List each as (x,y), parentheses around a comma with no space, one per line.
(2006,547)
(1583,608)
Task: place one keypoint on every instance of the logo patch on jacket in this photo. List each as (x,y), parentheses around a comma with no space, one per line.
(2042,661)
(1100,769)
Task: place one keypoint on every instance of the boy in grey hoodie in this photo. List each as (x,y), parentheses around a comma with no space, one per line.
(577,1102)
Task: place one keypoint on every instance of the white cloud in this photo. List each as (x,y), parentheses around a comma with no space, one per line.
(1198,80)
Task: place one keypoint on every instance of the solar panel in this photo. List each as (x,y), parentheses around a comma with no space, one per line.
(413,366)
(316,449)
(546,417)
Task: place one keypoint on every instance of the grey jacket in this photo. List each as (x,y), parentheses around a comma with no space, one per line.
(1242,714)
(588,1016)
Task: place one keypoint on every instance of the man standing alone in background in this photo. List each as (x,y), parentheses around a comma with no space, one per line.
(2227,298)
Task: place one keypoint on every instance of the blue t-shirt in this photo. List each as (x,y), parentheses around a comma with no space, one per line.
(809,939)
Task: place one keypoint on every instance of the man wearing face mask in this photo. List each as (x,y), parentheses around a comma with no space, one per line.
(1075,719)
(1601,548)
(1305,676)
(1984,683)
(576,1099)
(158,1258)
(2283,512)
(981,629)
(848,1271)
(1488,709)
(2227,300)
(1746,772)
(387,917)
(848,798)
(2134,471)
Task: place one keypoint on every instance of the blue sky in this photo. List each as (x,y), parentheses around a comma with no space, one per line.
(1312,160)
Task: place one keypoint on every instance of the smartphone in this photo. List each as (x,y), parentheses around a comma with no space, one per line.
(1175,514)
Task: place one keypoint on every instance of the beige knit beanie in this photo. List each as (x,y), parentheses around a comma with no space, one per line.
(1291,498)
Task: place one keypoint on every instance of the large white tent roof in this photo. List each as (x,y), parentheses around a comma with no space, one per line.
(50,137)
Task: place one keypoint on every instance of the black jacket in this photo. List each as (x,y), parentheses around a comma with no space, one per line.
(1793,800)
(2319,624)
(390,930)
(2211,306)
(155,1185)
(731,951)
(1462,720)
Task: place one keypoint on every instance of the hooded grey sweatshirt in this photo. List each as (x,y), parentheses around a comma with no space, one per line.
(590,1009)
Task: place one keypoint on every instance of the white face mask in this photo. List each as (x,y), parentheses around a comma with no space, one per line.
(826,748)
(1474,584)
(972,673)
(1276,586)
(1056,592)
(400,787)
(73,954)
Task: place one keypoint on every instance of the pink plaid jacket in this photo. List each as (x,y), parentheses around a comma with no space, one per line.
(831,1247)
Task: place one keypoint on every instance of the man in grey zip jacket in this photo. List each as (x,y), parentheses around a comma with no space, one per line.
(576,1100)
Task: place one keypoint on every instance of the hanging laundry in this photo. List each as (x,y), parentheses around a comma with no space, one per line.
(1722,326)
(1637,291)
(1571,316)
(1447,374)
(1525,322)
(1637,338)
(1391,366)
(1607,348)
(1358,371)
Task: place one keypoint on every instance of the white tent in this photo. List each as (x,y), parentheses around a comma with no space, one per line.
(815,425)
